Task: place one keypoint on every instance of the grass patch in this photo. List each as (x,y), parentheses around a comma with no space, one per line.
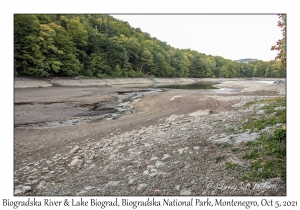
(224,145)
(231,130)
(254,123)
(259,124)
(277,103)
(253,154)
(219,159)
(235,149)
(232,166)
(269,156)
(273,101)
(268,153)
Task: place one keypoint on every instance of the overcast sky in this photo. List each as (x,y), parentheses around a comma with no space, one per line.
(230,36)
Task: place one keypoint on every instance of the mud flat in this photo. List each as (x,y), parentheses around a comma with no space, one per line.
(164,145)
(33,82)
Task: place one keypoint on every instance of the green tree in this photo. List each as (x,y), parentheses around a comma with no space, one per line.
(210,66)
(24,26)
(196,68)
(79,35)
(147,59)
(77,32)
(281,43)
(125,66)
(260,68)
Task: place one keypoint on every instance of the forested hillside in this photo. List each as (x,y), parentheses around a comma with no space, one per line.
(102,46)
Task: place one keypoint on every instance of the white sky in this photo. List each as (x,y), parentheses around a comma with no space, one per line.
(230,36)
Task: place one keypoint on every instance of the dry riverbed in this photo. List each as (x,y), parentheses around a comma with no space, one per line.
(101,137)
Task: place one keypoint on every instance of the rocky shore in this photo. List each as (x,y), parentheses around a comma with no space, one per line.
(168,145)
(22,82)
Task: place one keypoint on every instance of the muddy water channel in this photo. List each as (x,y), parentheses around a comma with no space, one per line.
(37,108)
(36,111)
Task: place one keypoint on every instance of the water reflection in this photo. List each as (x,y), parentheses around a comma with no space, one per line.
(197,85)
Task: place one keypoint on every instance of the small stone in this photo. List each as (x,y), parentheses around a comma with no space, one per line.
(281,191)
(26,189)
(261,112)
(48,177)
(141,186)
(19,186)
(150,166)
(57,157)
(177,187)
(131,181)
(153,158)
(280,108)
(41,185)
(99,145)
(49,162)
(182,150)
(153,174)
(185,192)
(159,164)
(18,192)
(30,178)
(112,183)
(34,181)
(76,162)
(183,129)
(275,180)
(196,148)
(166,156)
(74,150)
(146,173)
(92,166)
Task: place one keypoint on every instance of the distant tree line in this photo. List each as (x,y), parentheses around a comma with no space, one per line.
(104,47)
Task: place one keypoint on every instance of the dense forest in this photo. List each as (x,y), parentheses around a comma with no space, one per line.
(104,47)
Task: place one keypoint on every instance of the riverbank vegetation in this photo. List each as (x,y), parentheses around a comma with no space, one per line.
(268,153)
(102,46)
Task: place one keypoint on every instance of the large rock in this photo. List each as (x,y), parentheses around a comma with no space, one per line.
(238,138)
(280,108)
